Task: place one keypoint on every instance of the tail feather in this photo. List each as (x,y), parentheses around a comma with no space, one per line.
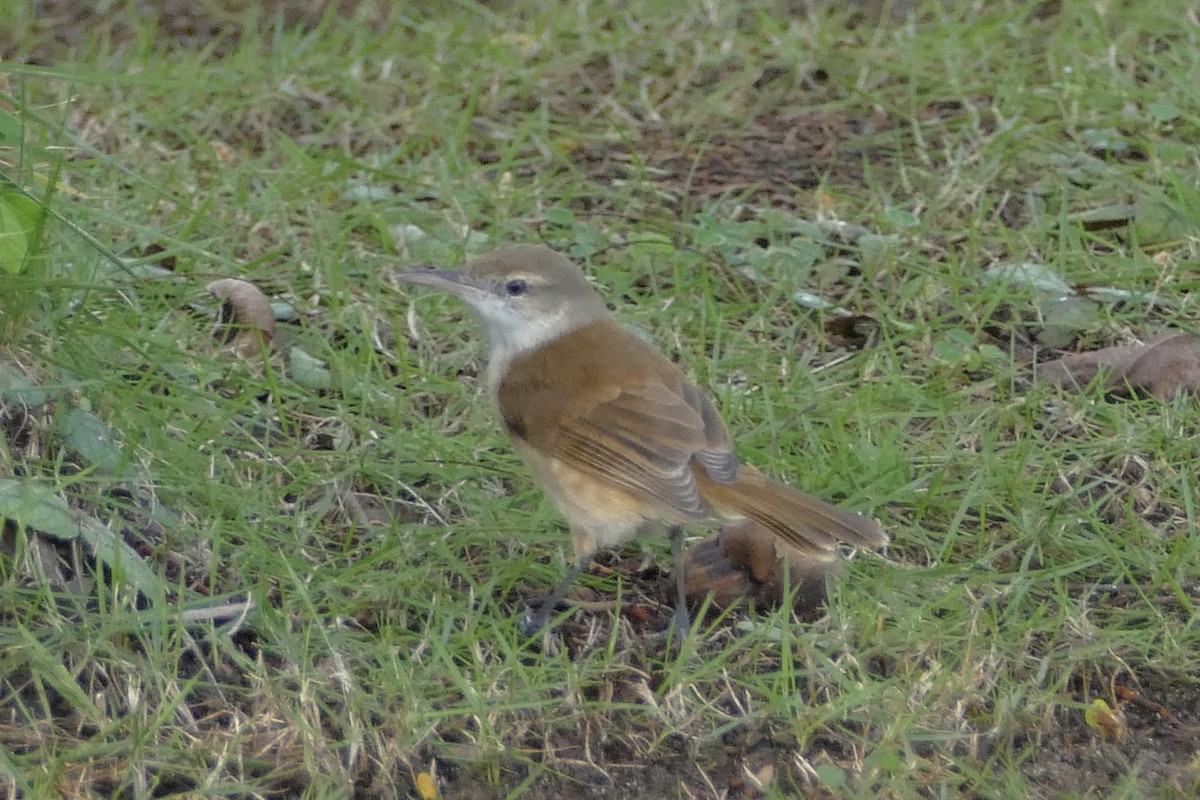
(803,521)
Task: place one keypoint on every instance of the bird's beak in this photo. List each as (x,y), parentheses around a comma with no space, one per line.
(445,279)
(459,284)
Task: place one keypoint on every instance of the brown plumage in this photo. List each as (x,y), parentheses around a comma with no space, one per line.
(627,416)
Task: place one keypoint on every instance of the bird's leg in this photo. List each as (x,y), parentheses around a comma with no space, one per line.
(535,620)
(679,621)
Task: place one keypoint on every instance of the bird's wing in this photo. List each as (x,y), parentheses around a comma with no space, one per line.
(716,456)
(650,439)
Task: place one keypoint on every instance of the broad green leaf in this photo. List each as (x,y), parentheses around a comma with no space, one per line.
(1029,275)
(876,250)
(10,128)
(655,242)
(812,301)
(1106,140)
(309,372)
(124,562)
(1104,216)
(1155,220)
(1163,111)
(18,221)
(989,352)
(34,505)
(831,776)
(15,387)
(901,218)
(559,216)
(1158,222)
(91,439)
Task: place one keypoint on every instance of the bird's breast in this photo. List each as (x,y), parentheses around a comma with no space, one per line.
(607,514)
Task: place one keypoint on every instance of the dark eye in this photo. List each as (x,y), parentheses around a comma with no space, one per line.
(516,288)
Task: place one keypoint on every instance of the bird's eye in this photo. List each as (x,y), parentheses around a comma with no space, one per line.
(516,288)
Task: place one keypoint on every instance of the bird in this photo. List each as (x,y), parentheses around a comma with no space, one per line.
(617,436)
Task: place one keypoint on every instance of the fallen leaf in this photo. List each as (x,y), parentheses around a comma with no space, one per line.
(1105,140)
(761,778)
(1108,723)
(224,153)
(309,372)
(638,613)
(1029,275)
(1124,694)
(1060,313)
(748,561)
(850,326)
(427,786)
(251,314)
(1156,221)
(1163,367)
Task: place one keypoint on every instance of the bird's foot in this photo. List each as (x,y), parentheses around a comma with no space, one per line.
(538,616)
(532,622)
(681,626)
(677,631)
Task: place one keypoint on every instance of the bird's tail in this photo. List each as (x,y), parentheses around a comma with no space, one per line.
(801,520)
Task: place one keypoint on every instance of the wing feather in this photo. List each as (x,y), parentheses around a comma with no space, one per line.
(650,439)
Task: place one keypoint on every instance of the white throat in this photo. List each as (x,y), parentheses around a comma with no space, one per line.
(510,335)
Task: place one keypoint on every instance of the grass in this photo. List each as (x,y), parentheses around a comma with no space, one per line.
(376,538)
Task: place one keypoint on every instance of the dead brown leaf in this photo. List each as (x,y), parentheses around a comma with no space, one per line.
(246,321)
(1108,722)
(747,561)
(1163,367)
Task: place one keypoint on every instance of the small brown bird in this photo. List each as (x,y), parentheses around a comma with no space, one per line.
(616,434)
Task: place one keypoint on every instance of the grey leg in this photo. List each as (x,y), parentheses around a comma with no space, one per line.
(680,621)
